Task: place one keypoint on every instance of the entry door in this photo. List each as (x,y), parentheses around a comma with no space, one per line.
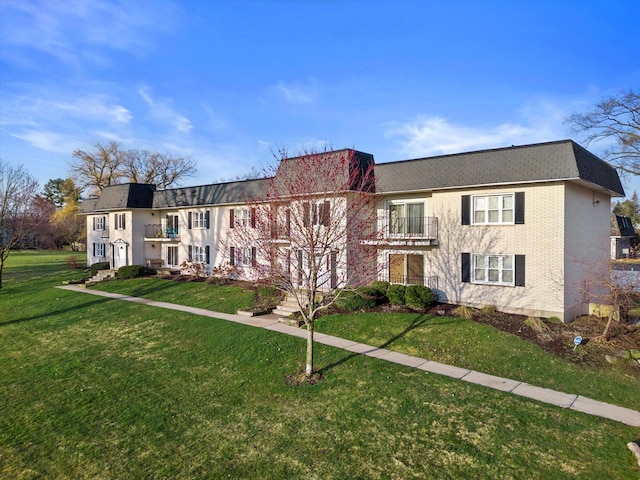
(396,268)
(119,250)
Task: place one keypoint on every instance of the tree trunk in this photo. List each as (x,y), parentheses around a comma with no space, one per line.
(605,334)
(309,369)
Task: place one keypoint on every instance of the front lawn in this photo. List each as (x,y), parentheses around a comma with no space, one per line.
(98,388)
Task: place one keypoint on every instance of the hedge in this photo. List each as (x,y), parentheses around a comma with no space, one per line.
(133,271)
(419,296)
(353,300)
(395,293)
(99,266)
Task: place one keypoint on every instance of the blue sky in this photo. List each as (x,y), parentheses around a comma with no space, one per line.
(228,82)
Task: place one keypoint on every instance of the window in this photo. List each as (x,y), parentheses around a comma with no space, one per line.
(493,269)
(491,209)
(199,220)
(120,221)
(406,218)
(506,270)
(99,249)
(242,256)
(99,223)
(316,213)
(172,255)
(242,217)
(199,254)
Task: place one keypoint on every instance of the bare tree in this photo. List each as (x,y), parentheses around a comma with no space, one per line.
(17,191)
(616,118)
(109,164)
(307,235)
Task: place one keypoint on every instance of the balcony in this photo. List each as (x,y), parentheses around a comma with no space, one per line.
(406,231)
(428,281)
(154,233)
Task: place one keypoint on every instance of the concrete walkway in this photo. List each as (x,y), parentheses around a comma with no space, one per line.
(270,322)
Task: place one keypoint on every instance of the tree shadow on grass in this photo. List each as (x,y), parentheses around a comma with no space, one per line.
(77,307)
(419,321)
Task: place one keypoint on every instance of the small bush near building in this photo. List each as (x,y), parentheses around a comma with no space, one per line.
(354,300)
(463,311)
(74,261)
(381,287)
(99,266)
(133,271)
(395,293)
(419,296)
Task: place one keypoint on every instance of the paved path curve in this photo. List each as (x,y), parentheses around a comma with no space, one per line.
(270,322)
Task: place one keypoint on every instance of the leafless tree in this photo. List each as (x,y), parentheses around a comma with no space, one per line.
(616,118)
(109,164)
(307,235)
(17,192)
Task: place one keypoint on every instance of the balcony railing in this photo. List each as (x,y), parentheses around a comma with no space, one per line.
(423,228)
(430,281)
(155,230)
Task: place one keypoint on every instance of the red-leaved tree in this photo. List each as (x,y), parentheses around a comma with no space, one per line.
(308,234)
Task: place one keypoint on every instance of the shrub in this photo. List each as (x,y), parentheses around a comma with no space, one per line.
(381,287)
(99,266)
(74,261)
(354,300)
(489,309)
(463,312)
(419,296)
(395,293)
(132,271)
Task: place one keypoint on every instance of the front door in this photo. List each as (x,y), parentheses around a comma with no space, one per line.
(119,253)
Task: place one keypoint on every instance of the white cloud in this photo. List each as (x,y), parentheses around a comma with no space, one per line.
(161,110)
(537,121)
(48,141)
(297,94)
(76,31)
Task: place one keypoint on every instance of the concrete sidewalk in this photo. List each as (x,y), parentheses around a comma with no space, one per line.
(270,322)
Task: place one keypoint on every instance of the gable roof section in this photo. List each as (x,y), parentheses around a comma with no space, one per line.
(562,160)
(214,194)
(622,226)
(119,197)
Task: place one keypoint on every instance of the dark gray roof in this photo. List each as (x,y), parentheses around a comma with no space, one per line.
(215,194)
(125,196)
(561,160)
(87,206)
(622,226)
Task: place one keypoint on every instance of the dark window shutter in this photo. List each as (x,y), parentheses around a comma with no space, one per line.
(94,249)
(232,221)
(288,222)
(207,223)
(519,208)
(190,223)
(466,267)
(466,209)
(190,252)
(232,255)
(124,221)
(94,224)
(306,214)
(326,214)
(254,260)
(206,255)
(520,270)
(252,217)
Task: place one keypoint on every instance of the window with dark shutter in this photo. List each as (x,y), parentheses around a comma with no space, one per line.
(466,267)
(466,209)
(326,214)
(207,223)
(190,223)
(254,261)
(519,208)
(306,214)
(232,255)
(206,255)
(252,218)
(232,221)
(190,253)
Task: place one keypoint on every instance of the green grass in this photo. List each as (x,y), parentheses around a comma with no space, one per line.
(100,388)
(475,346)
(219,298)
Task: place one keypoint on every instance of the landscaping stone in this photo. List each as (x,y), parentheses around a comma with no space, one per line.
(624,354)
(611,359)
(635,448)
(635,354)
